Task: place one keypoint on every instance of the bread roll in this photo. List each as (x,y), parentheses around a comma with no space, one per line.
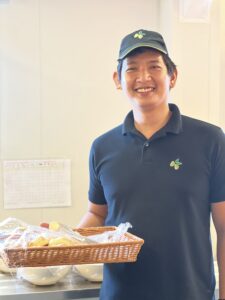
(62,241)
(38,242)
(55,226)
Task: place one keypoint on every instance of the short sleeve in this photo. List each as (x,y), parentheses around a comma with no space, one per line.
(96,193)
(217,183)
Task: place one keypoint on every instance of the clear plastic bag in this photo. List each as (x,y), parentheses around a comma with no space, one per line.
(18,234)
(43,275)
(112,235)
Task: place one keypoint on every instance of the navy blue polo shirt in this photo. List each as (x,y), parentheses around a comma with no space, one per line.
(164,187)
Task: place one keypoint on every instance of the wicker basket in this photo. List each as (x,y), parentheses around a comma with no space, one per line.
(124,251)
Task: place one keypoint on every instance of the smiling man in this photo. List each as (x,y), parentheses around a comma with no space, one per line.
(165,174)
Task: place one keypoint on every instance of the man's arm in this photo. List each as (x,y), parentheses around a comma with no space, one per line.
(218,215)
(95,215)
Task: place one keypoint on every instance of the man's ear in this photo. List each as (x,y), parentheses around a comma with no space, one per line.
(173,79)
(116,80)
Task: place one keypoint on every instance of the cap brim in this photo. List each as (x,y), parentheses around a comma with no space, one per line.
(139,45)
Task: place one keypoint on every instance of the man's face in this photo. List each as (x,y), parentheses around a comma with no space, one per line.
(145,80)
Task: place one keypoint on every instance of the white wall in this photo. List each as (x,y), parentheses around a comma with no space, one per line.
(197,48)
(57,94)
(56,88)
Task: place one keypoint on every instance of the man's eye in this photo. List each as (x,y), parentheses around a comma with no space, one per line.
(131,69)
(155,67)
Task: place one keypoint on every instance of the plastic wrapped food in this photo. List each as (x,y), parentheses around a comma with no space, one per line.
(111,236)
(43,275)
(91,272)
(5,269)
(11,226)
(35,246)
(17,234)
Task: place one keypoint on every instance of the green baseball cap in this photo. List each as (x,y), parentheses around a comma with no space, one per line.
(142,38)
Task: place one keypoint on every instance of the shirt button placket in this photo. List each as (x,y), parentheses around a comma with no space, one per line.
(146,154)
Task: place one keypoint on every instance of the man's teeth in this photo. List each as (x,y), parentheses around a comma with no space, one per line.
(144,90)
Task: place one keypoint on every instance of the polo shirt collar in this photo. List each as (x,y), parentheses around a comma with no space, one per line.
(174,124)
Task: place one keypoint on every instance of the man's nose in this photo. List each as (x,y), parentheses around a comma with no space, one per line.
(144,75)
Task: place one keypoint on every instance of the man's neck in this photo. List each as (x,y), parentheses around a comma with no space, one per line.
(149,122)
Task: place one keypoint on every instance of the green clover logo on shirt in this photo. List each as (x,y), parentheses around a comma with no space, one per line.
(139,35)
(176,164)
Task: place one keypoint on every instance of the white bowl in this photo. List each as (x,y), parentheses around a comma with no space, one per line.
(5,269)
(92,272)
(43,275)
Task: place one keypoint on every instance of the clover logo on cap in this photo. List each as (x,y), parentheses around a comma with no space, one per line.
(176,164)
(139,35)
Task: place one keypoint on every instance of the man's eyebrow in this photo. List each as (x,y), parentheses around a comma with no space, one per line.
(132,62)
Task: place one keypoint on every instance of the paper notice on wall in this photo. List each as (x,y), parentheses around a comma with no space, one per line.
(194,10)
(36,183)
